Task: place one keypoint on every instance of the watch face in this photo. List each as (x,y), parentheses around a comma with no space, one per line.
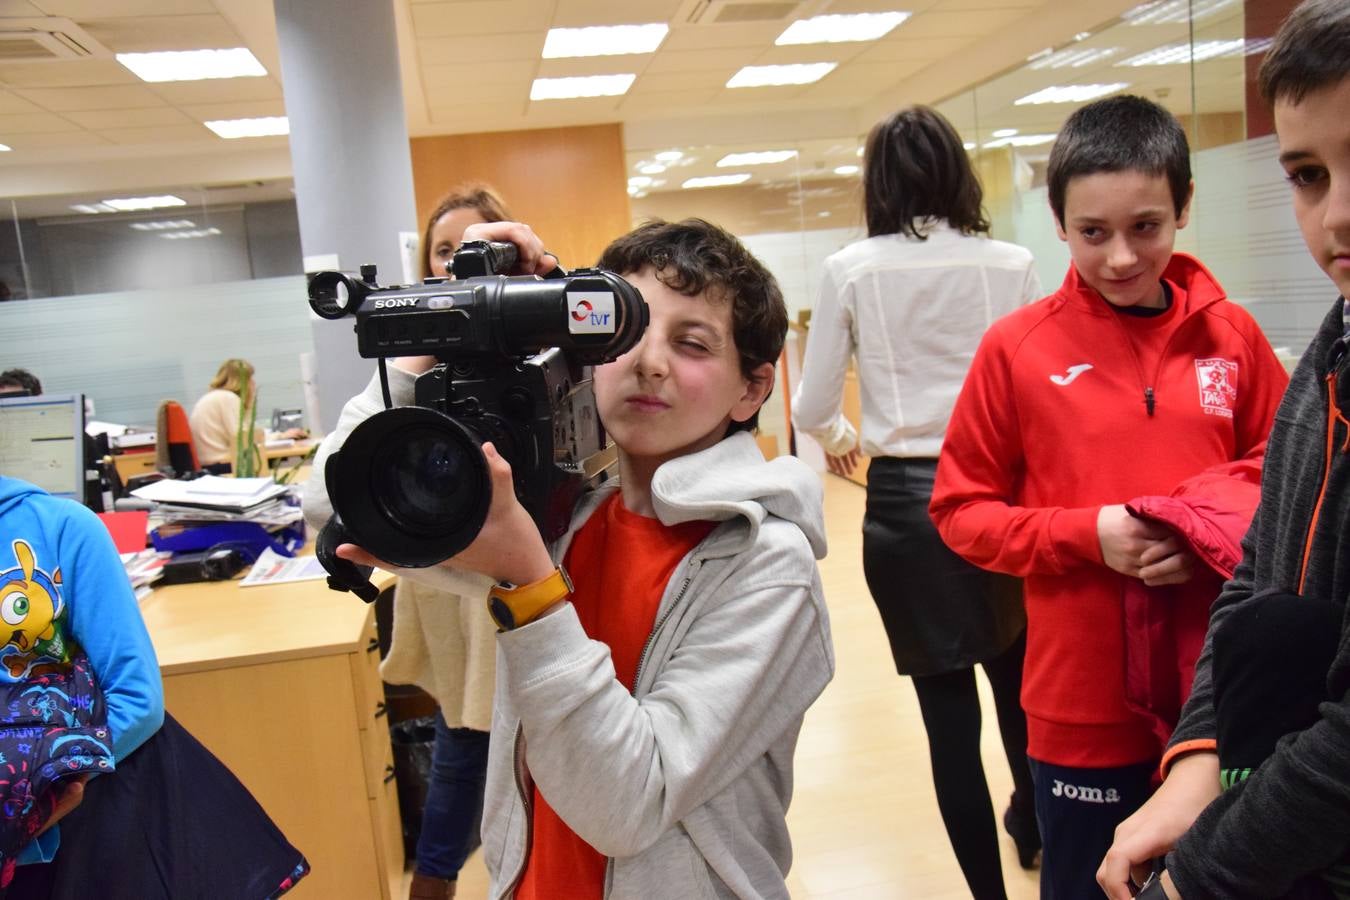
(501,613)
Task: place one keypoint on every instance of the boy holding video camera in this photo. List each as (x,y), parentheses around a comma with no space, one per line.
(656,662)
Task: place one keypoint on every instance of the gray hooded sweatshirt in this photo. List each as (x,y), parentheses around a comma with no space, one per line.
(684,783)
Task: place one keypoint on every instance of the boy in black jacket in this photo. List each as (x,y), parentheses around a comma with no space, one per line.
(1274,833)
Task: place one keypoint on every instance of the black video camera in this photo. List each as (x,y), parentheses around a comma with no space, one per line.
(410,484)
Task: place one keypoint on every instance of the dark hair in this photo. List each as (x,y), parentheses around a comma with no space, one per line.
(1311,51)
(22,379)
(695,257)
(478,197)
(1120,134)
(915,167)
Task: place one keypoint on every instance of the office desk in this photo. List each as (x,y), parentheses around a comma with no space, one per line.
(282,683)
(271,455)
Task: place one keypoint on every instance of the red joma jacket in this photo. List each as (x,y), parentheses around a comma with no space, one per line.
(1060,416)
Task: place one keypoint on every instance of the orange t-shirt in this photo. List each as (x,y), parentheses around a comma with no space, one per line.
(620,563)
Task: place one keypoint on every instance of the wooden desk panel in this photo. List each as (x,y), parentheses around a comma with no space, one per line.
(282,683)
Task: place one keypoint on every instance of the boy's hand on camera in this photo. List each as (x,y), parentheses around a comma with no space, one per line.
(1166,562)
(1191,785)
(1124,538)
(70,796)
(508,546)
(532,258)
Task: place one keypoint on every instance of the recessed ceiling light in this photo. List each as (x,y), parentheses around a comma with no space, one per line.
(716,180)
(163,225)
(1186,52)
(1070,93)
(1021,140)
(92,208)
(1174,12)
(1003,132)
(264,126)
(1082,35)
(757,158)
(841,28)
(846,170)
(1071,57)
(604,40)
(5,148)
(969,145)
(580,86)
(668,156)
(193,65)
(131,204)
(197,233)
(651,168)
(767,76)
(639,181)
(860,151)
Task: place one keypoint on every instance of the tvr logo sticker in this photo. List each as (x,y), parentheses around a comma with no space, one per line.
(590,312)
(1069,377)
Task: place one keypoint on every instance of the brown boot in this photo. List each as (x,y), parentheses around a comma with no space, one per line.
(429,887)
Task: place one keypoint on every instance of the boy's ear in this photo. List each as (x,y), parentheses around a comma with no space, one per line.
(757,389)
(1186,207)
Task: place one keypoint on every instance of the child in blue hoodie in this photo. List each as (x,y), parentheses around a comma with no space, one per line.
(68,612)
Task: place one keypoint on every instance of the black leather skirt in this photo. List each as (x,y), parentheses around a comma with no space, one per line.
(940,612)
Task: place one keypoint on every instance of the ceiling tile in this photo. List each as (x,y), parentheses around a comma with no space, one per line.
(169,134)
(465,76)
(967,24)
(128,118)
(580,13)
(860,81)
(500,92)
(695,60)
(19,9)
(745,34)
(207,112)
(33,123)
(13,103)
(656,104)
(67,73)
(953,5)
(477,116)
(475,17)
(84,10)
(119,96)
(809,53)
(218,90)
(903,51)
(138,34)
(488,48)
(47,140)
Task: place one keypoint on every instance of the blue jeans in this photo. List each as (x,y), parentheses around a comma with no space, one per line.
(454,805)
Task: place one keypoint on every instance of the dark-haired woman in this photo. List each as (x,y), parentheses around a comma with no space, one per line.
(909,305)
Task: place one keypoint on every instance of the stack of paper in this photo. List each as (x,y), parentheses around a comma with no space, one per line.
(212,498)
(143,569)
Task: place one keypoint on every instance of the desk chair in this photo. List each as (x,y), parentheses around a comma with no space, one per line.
(175,453)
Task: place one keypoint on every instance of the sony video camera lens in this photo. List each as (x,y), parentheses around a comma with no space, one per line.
(413,487)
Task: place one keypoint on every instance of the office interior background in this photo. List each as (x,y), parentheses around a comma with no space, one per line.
(135,305)
(131,302)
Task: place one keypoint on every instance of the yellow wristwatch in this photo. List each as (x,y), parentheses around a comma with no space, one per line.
(512,606)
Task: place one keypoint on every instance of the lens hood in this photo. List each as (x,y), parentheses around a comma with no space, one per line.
(411,486)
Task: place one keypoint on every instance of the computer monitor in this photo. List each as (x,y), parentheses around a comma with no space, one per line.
(42,442)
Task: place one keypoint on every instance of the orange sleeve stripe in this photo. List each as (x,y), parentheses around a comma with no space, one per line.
(1180,750)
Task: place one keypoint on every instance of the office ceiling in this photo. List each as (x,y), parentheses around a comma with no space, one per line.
(89,125)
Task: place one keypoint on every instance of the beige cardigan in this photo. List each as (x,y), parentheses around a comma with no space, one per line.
(445,643)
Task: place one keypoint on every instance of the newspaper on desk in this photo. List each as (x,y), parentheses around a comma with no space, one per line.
(273,568)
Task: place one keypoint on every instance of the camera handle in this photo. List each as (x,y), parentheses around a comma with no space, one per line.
(343,574)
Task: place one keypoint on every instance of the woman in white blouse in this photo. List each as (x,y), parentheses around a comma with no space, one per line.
(908,305)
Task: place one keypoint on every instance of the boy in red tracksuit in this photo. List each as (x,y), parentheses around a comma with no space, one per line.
(1134,376)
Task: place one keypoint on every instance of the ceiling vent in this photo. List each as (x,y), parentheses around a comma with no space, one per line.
(46,40)
(725,12)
